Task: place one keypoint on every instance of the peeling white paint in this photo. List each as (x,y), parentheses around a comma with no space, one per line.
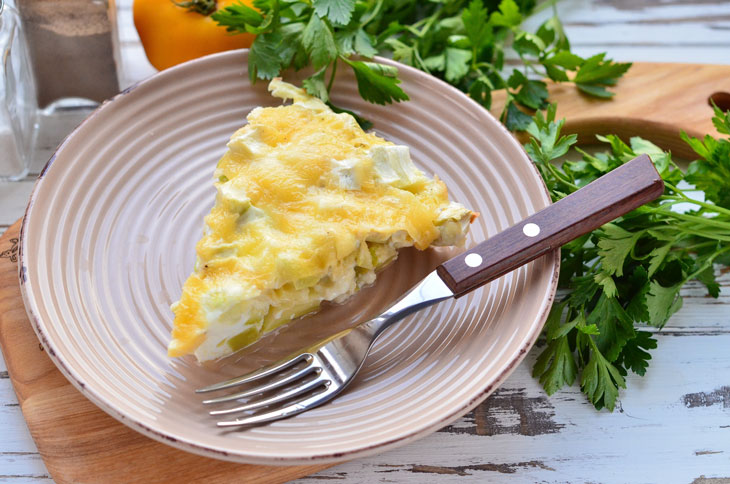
(655,438)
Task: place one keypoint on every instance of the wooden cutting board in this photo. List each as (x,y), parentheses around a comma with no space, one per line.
(654,101)
(80,443)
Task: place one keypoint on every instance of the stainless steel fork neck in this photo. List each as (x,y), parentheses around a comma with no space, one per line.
(427,292)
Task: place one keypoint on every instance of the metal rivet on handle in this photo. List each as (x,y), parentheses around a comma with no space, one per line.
(473,260)
(531,230)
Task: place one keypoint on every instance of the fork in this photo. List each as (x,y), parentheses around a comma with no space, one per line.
(318,373)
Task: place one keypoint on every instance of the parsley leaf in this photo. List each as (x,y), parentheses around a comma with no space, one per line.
(707,277)
(238,18)
(598,70)
(478,29)
(377,83)
(264,59)
(615,327)
(601,380)
(556,367)
(481,91)
(720,120)
(615,246)
(634,355)
(515,119)
(456,63)
(565,59)
(533,94)
(319,42)
(364,44)
(508,15)
(662,302)
(604,280)
(594,90)
(656,258)
(316,86)
(339,12)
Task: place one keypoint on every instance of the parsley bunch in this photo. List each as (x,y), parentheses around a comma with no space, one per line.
(618,282)
(625,277)
(461,42)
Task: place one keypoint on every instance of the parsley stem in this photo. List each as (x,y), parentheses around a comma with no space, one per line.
(709,206)
(332,76)
(373,14)
(707,264)
(543,6)
(694,246)
(560,177)
(534,69)
(700,233)
(489,66)
(691,218)
(429,23)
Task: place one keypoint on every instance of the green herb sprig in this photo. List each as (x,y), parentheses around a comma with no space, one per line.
(462,42)
(617,282)
(626,277)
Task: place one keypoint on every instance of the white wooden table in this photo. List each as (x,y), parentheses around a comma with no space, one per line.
(672,426)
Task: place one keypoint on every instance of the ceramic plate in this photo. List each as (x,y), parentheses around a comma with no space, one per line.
(110,233)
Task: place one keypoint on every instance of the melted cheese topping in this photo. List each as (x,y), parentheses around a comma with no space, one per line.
(308,206)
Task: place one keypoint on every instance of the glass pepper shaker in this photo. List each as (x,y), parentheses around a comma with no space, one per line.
(18,107)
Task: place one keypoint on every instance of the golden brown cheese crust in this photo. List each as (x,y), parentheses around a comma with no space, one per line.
(298,194)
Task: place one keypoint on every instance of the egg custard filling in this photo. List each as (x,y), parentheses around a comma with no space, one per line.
(309,207)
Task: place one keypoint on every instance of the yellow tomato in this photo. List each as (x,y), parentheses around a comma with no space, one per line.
(171,34)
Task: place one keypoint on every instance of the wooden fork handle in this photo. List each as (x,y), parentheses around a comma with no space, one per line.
(614,194)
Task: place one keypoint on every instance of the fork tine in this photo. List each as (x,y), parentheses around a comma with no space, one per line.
(317,382)
(290,410)
(279,382)
(265,371)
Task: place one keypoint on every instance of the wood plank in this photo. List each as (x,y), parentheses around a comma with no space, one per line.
(616,12)
(25,480)
(671,426)
(659,53)
(22,465)
(15,435)
(13,199)
(469,449)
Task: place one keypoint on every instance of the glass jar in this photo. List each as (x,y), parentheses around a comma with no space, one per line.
(18,107)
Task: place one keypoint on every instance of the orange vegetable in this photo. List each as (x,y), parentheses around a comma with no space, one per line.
(171,34)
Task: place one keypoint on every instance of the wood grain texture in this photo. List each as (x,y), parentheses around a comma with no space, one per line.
(614,194)
(655,439)
(78,441)
(653,101)
(53,435)
(520,435)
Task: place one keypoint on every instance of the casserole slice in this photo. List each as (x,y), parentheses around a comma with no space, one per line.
(308,208)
